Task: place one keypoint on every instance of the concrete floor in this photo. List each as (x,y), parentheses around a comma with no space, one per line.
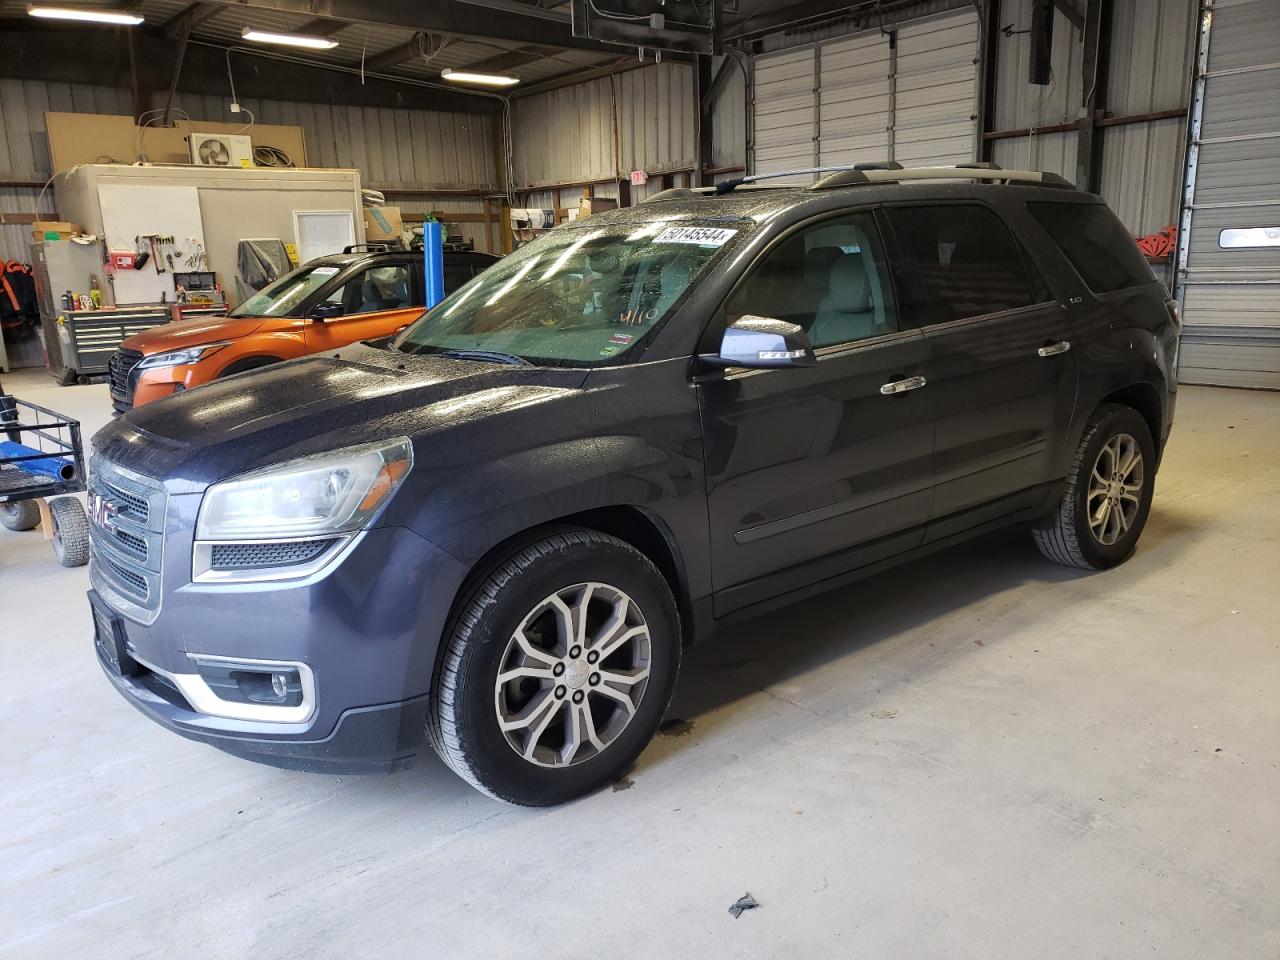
(978,755)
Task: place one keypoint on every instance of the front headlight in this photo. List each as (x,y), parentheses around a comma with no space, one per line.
(177,358)
(322,495)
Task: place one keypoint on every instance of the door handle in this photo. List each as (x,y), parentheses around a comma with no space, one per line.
(1053,349)
(903,386)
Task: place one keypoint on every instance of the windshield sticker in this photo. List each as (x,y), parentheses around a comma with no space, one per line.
(325,271)
(611,350)
(701,236)
(621,338)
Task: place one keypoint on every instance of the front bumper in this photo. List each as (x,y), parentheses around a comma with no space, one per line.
(362,634)
(374,739)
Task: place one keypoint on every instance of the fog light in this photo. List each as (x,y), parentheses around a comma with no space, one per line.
(275,686)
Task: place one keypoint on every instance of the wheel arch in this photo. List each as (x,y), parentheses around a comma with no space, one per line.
(245,364)
(633,525)
(1144,397)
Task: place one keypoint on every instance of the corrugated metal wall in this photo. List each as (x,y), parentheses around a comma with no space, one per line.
(1023,105)
(1150,62)
(729,120)
(410,150)
(568,135)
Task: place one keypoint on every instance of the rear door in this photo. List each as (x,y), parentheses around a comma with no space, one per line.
(376,301)
(1001,368)
(814,471)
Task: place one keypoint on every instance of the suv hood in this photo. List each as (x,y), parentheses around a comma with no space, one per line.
(323,402)
(190,333)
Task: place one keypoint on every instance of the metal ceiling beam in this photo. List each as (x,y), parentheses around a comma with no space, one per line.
(39,53)
(1071,12)
(476,18)
(392,57)
(189,18)
(501,62)
(322,27)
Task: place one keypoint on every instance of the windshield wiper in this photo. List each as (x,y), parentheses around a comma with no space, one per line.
(493,356)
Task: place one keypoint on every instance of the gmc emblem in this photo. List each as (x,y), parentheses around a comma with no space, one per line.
(102,511)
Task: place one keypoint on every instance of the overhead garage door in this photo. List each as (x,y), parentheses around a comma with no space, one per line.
(936,92)
(855,92)
(784,114)
(862,98)
(1229,251)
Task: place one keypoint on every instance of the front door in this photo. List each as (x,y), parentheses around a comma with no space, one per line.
(374,302)
(1001,369)
(814,471)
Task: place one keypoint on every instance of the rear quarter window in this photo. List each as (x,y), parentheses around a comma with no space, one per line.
(1096,243)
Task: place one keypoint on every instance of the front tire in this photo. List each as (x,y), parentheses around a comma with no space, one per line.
(70,531)
(557,669)
(1108,496)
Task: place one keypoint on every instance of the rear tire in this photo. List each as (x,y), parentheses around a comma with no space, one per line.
(19,515)
(586,631)
(1109,488)
(70,531)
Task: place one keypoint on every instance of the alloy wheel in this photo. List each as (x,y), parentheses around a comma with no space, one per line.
(573,674)
(1115,489)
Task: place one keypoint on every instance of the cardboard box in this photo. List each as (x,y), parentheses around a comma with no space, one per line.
(53,230)
(382,223)
(590,205)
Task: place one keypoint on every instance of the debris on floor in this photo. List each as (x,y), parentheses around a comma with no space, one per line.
(888,714)
(675,727)
(623,783)
(744,902)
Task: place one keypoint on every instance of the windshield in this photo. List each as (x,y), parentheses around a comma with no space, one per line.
(279,298)
(575,297)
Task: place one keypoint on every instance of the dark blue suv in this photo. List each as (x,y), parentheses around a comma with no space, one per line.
(496,532)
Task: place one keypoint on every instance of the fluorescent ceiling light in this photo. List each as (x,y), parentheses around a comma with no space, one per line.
(487,79)
(116,17)
(289,39)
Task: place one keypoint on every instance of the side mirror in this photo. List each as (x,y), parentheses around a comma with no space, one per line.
(326,311)
(761,342)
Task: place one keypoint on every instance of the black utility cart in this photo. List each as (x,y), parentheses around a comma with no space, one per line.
(42,458)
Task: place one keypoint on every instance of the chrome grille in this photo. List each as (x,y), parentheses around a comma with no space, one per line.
(126,531)
(118,368)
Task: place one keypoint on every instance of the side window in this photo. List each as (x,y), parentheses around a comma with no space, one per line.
(829,278)
(387,287)
(1096,243)
(456,275)
(967,262)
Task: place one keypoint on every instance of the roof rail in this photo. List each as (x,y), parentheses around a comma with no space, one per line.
(854,177)
(961,172)
(677,193)
(728,186)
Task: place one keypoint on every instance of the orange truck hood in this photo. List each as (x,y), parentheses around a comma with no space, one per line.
(190,333)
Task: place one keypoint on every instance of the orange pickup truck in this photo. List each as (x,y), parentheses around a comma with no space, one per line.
(326,303)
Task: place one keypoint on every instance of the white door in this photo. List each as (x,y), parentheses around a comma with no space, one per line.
(1229,250)
(784,112)
(936,91)
(855,94)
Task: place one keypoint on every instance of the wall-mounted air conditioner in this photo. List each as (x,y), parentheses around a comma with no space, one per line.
(221,149)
